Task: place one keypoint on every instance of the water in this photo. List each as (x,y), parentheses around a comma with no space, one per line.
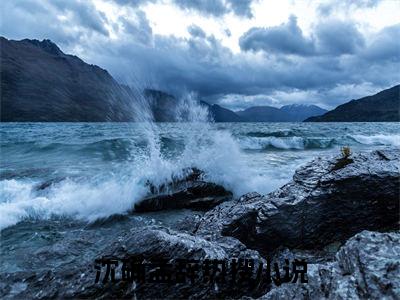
(92,170)
(59,182)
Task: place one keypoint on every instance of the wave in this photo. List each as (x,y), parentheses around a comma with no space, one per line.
(286,143)
(215,152)
(89,201)
(378,139)
(282,133)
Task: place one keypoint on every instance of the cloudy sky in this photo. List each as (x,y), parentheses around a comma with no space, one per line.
(237,53)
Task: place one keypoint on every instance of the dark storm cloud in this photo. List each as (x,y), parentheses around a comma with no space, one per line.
(286,38)
(333,64)
(201,63)
(333,37)
(385,47)
(140,30)
(31,19)
(338,37)
(84,14)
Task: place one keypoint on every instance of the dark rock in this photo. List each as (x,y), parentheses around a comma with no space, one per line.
(185,191)
(319,206)
(157,243)
(366,267)
(151,243)
(199,195)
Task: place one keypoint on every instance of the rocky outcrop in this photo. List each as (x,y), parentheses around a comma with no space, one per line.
(186,191)
(149,244)
(366,267)
(309,218)
(321,205)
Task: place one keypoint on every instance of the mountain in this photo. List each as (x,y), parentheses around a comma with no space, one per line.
(381,107)
(41,83)
(287,113)
(263,114)
(300,112)
(221,114)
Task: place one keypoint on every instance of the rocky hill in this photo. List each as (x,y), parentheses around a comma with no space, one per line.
(381,107)
(41,83)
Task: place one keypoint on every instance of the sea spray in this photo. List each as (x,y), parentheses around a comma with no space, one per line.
(94,170)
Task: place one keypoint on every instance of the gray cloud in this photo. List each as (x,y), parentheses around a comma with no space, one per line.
(212,7)
(338,37)
(316,71)
(30,19)
(196,31)
(218,7)
(331,37)
(241,7)
(207,7)
(286,38)
(140,30)
(84,14)
(385,46)
(327,8)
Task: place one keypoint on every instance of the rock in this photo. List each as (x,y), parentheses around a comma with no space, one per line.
(366,267)
(184,191)
(155,243)
(318,207)
(151,243)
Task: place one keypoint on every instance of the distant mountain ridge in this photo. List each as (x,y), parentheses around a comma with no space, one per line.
(300,112)
(381,107)
(287,113)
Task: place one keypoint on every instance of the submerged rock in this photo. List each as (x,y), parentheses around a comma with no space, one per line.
(319,206)
(186,191)
(366,267)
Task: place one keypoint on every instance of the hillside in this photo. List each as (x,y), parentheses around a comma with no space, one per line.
(41,83)
(381,107)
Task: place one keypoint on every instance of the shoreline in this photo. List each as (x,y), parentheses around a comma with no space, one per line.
(313,217)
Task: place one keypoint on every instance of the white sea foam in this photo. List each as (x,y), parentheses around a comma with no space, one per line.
(378,139)
(215,152)
(285,143)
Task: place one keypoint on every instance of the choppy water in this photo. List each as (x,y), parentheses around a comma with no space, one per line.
(65,188)
(87,171)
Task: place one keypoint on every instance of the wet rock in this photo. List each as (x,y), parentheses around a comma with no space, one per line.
(185,191)
(366,267)
(319,206)
(149,244)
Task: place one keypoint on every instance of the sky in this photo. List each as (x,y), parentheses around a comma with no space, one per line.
(236,53)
